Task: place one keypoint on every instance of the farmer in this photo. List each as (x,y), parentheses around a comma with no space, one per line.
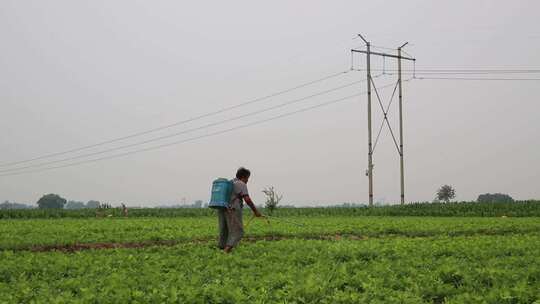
(231,227)
(124,210)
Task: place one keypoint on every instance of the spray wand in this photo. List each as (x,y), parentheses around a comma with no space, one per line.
(268,217)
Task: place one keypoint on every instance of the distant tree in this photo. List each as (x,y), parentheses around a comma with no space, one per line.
(13,205)
(92,204)
(51,201)
(5,205)
(446,193)
(272,199)
(75,205)
(494,198)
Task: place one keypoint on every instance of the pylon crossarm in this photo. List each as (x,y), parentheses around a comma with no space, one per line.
(383,54)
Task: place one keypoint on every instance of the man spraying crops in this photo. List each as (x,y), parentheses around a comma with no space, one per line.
(231,227)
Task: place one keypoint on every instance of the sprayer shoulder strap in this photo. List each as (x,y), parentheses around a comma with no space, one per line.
(234,195)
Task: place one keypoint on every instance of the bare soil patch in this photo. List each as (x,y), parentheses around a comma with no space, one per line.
(70,248)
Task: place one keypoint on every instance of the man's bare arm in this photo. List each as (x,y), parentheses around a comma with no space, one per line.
(251,205)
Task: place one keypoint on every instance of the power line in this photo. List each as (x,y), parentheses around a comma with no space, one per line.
(290,102)
(462,71)
(226,109)
(470,72)
(478,78)
(432,74)
(197,137)
(478,70)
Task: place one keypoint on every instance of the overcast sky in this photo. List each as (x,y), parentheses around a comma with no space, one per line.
(75,73)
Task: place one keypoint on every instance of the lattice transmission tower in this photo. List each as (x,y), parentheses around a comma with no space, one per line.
(370,84)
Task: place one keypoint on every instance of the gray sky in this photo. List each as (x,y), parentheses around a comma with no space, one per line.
(74,73)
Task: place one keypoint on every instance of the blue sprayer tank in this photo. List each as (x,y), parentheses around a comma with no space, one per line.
(221,193)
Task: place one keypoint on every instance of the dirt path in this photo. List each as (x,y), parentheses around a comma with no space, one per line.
(97,246)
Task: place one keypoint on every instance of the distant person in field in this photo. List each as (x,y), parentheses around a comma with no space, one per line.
(124,210)
(231,228)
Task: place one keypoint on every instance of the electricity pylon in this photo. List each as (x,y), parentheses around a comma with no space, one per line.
(370,82)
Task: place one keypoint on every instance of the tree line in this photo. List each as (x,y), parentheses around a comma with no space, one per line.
(54,201)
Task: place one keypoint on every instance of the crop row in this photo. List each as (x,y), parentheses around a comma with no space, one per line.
(21,234)
(481,269)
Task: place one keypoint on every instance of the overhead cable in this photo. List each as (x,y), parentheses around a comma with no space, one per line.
(196,137)
(478,78)
(213,113)
(461,71)
(287,103)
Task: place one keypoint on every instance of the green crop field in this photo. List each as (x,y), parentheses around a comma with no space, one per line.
(298,257)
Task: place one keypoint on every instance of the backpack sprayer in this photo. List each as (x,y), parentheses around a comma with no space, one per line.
(221,193)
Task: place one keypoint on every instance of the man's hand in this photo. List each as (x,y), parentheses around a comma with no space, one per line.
(257,213)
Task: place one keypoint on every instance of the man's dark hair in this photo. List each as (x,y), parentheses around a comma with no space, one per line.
(242,172)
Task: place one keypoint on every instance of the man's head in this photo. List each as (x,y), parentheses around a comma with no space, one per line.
(243,174)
